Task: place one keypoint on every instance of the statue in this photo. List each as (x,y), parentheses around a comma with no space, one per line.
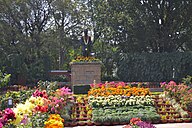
(86,44)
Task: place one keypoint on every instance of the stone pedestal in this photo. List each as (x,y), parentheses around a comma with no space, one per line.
(85,73)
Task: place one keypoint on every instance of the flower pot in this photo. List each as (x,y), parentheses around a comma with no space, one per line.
(66,124)
(171,121)
(156,121)
(176,117)
(163,113)
(90,123)
(187,120)
(116,123)
(164,121)
(107,124)
(190,114)
(73,124)
(97,124)
(178,121)
(81,123)
(168,105)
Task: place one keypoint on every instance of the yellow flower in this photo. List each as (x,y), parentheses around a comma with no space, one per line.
(54,121)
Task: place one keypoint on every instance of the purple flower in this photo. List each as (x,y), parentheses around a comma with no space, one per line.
(25,120)
(143,124)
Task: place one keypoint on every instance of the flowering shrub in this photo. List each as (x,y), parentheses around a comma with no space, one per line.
(134,121)
(38,93)
(137,123)
(179,92)
(4,79)
(54,121)
(63,92)
(34,111)
(6,116)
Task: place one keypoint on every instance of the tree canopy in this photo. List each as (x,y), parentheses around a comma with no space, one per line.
(39,35)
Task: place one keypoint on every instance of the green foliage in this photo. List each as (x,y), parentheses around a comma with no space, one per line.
(124,114)
(50,87)
(143,26)
(4,79)
(39,119)
(187,80)
(17,96)
(37,35)
(155,67)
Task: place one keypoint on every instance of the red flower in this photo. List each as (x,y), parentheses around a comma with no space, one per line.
(135,121)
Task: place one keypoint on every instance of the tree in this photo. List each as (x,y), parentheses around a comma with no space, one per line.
(37,34)
(68,17)
(23,24)
(144,26)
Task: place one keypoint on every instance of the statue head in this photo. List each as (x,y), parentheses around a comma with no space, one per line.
(86,32)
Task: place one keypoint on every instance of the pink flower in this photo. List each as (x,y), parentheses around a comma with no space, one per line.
(65,91)
(174,90)
(172,83)
(1,125)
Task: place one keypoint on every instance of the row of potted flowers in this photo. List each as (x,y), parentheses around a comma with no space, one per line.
(118,100)
(126,90)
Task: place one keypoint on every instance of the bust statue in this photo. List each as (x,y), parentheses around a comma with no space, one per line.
(86,44)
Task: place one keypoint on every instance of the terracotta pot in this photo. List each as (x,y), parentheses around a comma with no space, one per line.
(107,124)
(190,114)
(66,124)
(176,117)
(73,124)
(178,121)
(171,121)
(164,121)
(163,113)
(156,121)
(187,121)
(116,123)
(97,124)
(173,112)
(90,123)
(81,123)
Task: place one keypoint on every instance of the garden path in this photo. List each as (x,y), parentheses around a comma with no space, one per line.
(172,125)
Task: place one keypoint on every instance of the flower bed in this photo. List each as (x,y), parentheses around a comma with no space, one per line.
(117,103)
(46,107)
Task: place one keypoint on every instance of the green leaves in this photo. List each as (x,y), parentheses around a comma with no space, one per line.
(4,79)
(155,67)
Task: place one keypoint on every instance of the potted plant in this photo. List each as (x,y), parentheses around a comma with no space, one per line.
(163,119)
(171,120)
(178,120)
(89,122)
(116,120)
(123,120)
(189,109)
(81,123)
(98,120)
(155,118)
(186,120)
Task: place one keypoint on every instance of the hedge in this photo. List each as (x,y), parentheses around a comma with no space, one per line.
(154,67)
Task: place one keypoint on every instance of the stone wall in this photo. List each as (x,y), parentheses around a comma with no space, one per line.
(85,73)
